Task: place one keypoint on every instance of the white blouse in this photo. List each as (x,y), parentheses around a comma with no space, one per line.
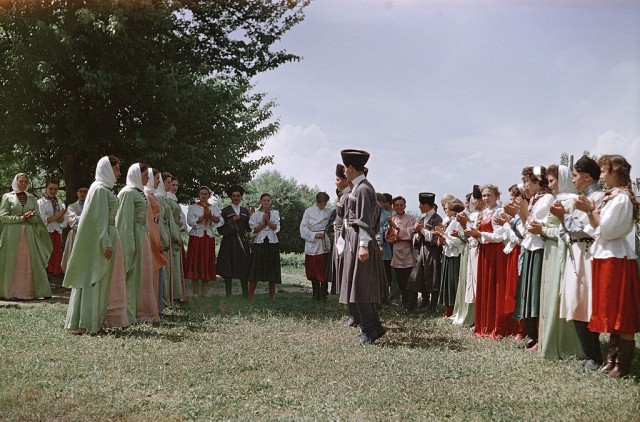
(46,211)
(194,213)
(256,219)
(453,245)
(615,234)
(539,212)
(314,221)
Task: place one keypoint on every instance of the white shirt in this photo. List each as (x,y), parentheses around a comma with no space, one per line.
(315,220)
(256,218)
(615,234)
(497,236)
(453,245)
(46,211)
(194,213)
(539,212)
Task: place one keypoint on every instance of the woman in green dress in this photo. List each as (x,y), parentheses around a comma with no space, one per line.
(96,259)
(558,338)
(25,245)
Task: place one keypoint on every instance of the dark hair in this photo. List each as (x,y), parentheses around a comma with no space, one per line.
(166,176)
(467,197)
(155,171)
(113,160)
(204,188)
(552,170)
(143,167)
(399,198)
(265,194)
(388,198)
(82,184)
(52,182)
(619,166)
(541,179)
(515,191)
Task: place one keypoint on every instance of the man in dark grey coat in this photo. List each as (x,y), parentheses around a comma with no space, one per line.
(363,277)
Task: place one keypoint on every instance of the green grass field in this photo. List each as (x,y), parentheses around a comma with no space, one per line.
(291,359)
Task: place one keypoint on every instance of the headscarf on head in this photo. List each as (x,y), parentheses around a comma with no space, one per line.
(14,184)
(149,188)
(161,192)
(566,189)
(134,177)
(104,174)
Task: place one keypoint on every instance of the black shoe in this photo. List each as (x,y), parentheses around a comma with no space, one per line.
(380,332)
(351,322)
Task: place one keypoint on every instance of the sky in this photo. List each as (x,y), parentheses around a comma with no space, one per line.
(445,94)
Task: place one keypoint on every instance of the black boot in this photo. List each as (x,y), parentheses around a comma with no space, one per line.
(316,289)
(245,288)
(324,291)
(227,287)
(612,353)
(590,344)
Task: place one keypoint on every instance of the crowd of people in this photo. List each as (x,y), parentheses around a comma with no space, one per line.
(556,264)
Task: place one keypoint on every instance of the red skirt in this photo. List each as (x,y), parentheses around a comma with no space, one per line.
(616,296)
(201,258)
(315,266)
(55,260)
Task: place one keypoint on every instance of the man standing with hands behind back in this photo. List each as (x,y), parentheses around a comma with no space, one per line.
(363,278)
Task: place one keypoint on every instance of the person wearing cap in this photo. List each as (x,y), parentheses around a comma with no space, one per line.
(233,256)
(313,225)
(425,277)
(576,289)
(363,279)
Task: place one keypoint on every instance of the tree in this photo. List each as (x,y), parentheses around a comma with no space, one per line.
(289,198)
(159,81)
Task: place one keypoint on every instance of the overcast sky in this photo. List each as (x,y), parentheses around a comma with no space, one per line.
(446,93)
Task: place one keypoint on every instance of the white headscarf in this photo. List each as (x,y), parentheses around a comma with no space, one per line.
(134,177)
(161,191)
(14,184)
(566,189)
(149,188)
(104,173)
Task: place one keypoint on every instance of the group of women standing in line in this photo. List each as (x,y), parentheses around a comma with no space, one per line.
(552,264)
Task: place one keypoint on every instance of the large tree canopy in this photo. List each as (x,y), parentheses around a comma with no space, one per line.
(158,81)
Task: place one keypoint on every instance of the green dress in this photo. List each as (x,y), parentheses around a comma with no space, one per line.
(131,222)
(557,337)
(175,264)
(88,272)
(38,240)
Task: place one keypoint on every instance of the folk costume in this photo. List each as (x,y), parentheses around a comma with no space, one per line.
(73,217)
(175,274)
(157,240)
(425,277)
(131,222)
(452,247)
(264,263)
(558,337)
(233,256)
(201,252)
(528,291)
(49,206)
(616,285)
(362,282)
(25,247)
(316,249)
(165,222)
(98,283)
(403,257)
(577,291)
(339,233)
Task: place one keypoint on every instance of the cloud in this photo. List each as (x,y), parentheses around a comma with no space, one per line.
(611,142)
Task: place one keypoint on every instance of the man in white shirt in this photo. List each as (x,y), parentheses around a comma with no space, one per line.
(316,244)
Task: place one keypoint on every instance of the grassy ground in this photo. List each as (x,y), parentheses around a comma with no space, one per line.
(292,359)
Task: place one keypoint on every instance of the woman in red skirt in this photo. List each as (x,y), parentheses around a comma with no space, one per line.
(491,318)
(616,286)
(202,217)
